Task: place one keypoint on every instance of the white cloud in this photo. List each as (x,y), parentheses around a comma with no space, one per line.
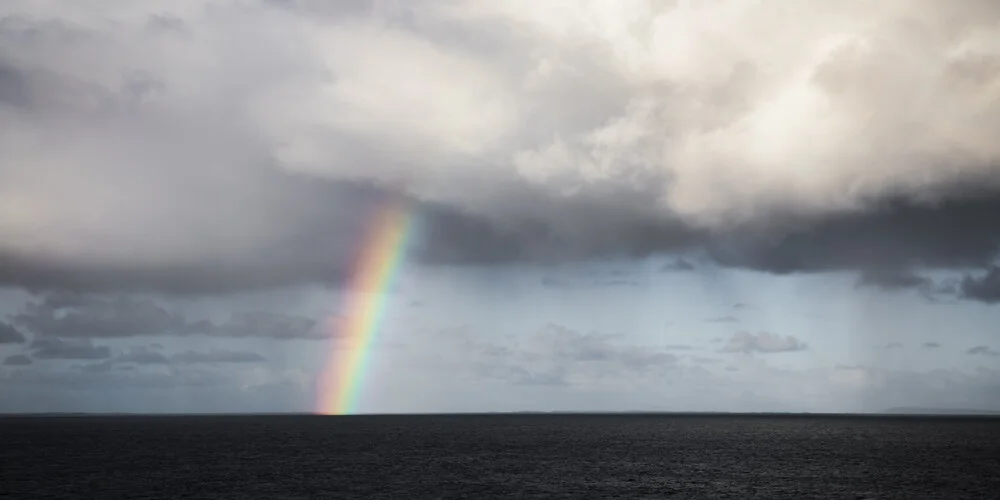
(153,137)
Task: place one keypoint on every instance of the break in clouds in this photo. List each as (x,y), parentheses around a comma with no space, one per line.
(192,146)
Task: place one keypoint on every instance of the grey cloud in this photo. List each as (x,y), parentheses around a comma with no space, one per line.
(763,342)
(931,345)
(81,349)
(143,356)
(985,288)
(892,279)
(10,335)
(894,345)
(259,324)
(67,314)
(100,376)
(617,282)
(678,265)
(17,360)
(982,349)
(87,315)
(99,367)
(956,232)
(254,170)
(217,356)
(722,319)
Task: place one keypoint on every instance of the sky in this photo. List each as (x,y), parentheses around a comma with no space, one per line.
(723,205)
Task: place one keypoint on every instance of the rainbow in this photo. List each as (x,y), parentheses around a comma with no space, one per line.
(362,313)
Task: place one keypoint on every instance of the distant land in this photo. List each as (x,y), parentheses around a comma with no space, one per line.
(906,410)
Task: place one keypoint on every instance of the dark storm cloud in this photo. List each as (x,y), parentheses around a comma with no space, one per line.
(17,360)
(762,343)
(10,335)
(68,349)
(985,288)
(960,231)
(954,235)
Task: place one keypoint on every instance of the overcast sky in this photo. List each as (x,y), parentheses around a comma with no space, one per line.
(745,205)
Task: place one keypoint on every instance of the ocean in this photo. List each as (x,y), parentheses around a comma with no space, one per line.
(526,456)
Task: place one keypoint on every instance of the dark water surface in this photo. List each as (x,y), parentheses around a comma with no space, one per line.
(500,456)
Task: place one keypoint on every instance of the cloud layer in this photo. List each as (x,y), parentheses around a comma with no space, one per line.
(69,315)
(212,146)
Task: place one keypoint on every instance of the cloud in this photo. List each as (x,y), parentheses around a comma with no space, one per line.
(106,377)
(10,335)
(892,279)
(99,367)
(88,315)
(217,356)
(931,345)
(143,356)
(985,288)
(81,349)
(894,345)
(617,282)
(762,343)
(72,315)
(984,350)
(259,324)
(722,319)
(610,129)
(678,265)
(17,360)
